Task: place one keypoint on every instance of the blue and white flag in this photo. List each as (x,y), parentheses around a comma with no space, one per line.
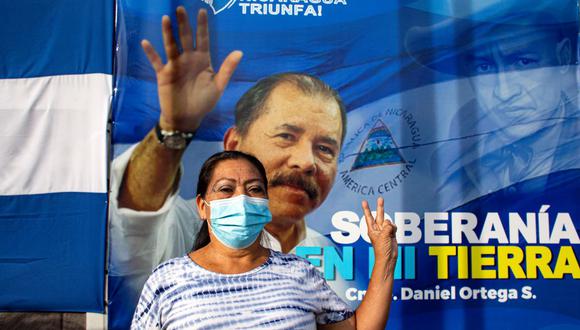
(55,94)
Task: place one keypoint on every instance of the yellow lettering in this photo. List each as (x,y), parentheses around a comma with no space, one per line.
(462,262)
(538,258)
(442,253)
(566,263)
(510,258)
(479,260)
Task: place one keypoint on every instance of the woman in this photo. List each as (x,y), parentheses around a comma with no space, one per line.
(231,281)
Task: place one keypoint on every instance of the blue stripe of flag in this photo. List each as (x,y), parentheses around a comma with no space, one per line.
(57,37)
(52,252)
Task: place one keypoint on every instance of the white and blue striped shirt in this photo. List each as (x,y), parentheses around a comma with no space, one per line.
(286,292)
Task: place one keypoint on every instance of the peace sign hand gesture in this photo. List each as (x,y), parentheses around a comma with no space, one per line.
(187,85)
(373,311)
(383,236)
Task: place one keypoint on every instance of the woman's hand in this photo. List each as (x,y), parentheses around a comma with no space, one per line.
(383,236)
(187,85)
(373,311)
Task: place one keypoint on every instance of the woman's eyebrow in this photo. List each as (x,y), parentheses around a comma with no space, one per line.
(229,180)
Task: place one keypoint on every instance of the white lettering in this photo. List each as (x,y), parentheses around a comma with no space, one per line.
(463,223)
(408,223)
(310,11)
(348,230)
(518,227)
(432,226)
(564,229)
(464,227)
(493,229)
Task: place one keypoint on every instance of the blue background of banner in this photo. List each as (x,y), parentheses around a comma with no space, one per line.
(391,55)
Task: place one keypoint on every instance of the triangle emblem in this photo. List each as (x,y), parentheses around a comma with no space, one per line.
(378,149)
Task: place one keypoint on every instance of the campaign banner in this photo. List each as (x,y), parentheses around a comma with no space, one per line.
(462,115)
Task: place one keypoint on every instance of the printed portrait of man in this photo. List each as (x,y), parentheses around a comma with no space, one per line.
(524,118)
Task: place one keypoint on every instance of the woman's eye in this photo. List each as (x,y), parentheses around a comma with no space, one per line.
(256,190)
(226,189)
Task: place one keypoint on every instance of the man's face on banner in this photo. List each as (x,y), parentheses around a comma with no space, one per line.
(517,79)
(297,137)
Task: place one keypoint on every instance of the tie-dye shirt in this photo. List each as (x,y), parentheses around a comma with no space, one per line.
(286,292)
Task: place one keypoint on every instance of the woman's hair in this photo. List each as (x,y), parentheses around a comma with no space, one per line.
(205,175)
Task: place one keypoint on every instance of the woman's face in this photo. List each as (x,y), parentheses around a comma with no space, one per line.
(231,178)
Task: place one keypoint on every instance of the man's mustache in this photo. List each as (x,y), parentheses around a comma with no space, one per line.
(296,180)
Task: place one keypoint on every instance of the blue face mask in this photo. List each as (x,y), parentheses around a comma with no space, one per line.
(237,221)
